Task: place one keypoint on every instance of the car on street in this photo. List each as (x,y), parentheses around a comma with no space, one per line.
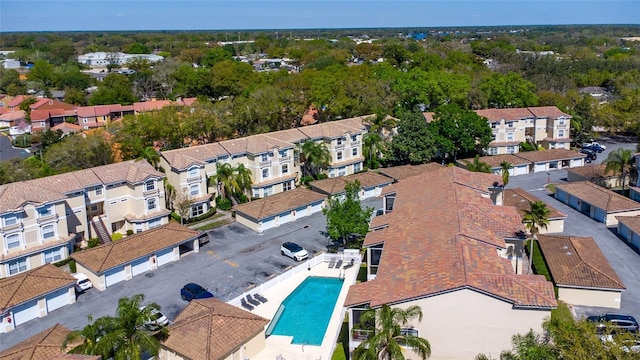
(594,147)
(194,291)
(294,251)
(156,321)
(617,323)
(590,153)
(82,282)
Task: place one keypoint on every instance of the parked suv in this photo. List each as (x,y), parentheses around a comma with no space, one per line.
(594,147)
(82,282)
(617,322)
(590,153)
(294,251)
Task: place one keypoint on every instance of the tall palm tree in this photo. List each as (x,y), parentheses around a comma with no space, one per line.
(381,122)
(243,179)
(151,155)
(478,166)
(316,157)
(371,150)
(620,161)
(535,218)
(120,337)
(225,180)
(505,166)
(387,341)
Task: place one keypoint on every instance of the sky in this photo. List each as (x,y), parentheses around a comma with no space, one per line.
(105,15)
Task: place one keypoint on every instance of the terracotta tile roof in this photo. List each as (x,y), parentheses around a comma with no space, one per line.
(66,127)
(332,186)
(578,261)
(519,198)
(235,146)
(150,105)
(442,236)
(46,345)
(182,159)
(39,115)
(493,115)
(548,111)
(13,115)
(32,284)
(16,101)
(495,160)
(49,104)
(549,155)
(93,111)
(598,196)
(38,103)
(594,171)
(632,222)
(104,257)
(290,135)
(279,203)
(335,129)
(209,329)
(405,171)
(258,144)
(428,116)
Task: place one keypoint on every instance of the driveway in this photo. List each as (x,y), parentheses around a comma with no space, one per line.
(8,152)
(624,260)
(234,260)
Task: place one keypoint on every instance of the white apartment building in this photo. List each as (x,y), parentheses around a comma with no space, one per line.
(105,58)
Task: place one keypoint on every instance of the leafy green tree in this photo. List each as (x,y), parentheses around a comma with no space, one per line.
(414,143)
(216,55)
(43,72)
(477,165)
(61,52)
(114,89)
(458,131)
(505,166)
(89,150)
(315,156)
(381,122)
(225,181)
(620,161)
(534,219)
(530,346)
(75,96)
(137,48)
(10,82)
(151,155)
(371,149)
(388,340)
(243,179)
(345,215)
(508,91)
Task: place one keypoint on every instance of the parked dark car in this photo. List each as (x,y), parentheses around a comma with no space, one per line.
(194,291)
(594,147)
(617,322)
(590,153)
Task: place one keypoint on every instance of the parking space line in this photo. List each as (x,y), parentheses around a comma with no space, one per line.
(229,262)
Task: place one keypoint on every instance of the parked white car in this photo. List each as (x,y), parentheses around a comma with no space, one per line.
(156,321)
(82,282)
(294,251)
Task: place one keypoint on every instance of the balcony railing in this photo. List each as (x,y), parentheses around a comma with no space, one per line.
(154,191)
(355,143)
(46,218)
(265,163)
(16,225)
(339,146)
(360,334)
(285,158)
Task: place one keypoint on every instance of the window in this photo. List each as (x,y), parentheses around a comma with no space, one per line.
(354,152)
(138,228)
(98,191)
(154,223)
(256,193)
(286,186)
(560,133)
(151,204)
(357,167)
(150,185)
(10,220)
(354,138)
(511,149)
(285,169)
(339,141)
(339,155)
(197,210)
(48,232)
(493,151)
(17,266)
(13,241)
(194,190)
(84,120)
(265,173)
(283,153)
(494,125)
(342,171)
(511,124)
(45,210)
(264,157)
(93,208)
(561,121)
(268,191)
(510,136)
(52,256)
(409,332)
(193,172)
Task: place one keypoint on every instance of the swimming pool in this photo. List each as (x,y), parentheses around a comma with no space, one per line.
(306,312)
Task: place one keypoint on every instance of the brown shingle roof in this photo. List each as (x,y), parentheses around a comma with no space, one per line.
(54,188)
(598,196)
(334,129)
(495,160)
(578,261)
(505,114)
(43,346)
(104,257)
(336,185)
(209,329)
(594,171)
(549,155)
(279,203)
(405,171)
(183,158)
(442,236)
(520,199)
(632,222)
(548,111)
(32,284)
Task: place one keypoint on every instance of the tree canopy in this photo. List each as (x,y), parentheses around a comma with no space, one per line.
(345,216)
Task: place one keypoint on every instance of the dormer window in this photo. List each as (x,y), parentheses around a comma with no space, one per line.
(339,141)
(193,172)
(264,157)
(150,185)
(10,220)
(45,210)
(354,138)
(283,153)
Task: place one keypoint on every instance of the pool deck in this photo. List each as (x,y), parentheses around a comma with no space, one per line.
(281,345)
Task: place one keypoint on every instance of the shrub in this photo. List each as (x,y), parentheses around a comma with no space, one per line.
(72,266)
(223,204)
(129,232)
(22,141)
(93,242)
(338,353)
(305,180)
(206,215)
(116,236)
(539,265)
(242,198)
(527,147)
(322,176)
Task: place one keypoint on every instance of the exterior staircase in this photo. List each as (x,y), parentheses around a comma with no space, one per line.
(101,230)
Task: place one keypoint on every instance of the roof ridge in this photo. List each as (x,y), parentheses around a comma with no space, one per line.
(602,273)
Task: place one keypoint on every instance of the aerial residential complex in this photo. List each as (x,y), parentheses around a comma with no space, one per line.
(42,219)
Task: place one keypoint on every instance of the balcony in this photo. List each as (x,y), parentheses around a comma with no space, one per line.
(17,225)
(47,218)
(193,178)
(285,158)
(360,334)
(151,192)
(355,143)
(339,146)
(265,163)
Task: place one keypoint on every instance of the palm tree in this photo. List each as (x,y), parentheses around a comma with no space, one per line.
(535,218)
(505,166)
(225,180)
(243,179)
(151,155)
(371,149)
(388,339)
(120,337)
(316,157)
(478,166)
(620,161)
(381,122)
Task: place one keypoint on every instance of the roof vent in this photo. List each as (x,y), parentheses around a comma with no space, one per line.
(568,253)
(565,247)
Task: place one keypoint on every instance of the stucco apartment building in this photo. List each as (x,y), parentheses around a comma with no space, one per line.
(445,246)
(544,126)
(272,158)
(42,219)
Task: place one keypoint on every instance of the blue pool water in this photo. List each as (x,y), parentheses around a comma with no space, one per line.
(307,310)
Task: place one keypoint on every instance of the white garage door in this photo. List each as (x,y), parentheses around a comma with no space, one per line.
(285,218)
(575,162)
(26,312)
(369,193)
(540,167)
(164,257)
(520,170)
(114,276)
(58,299)
(139,266)
(316,208)
(301,212)
(268,223)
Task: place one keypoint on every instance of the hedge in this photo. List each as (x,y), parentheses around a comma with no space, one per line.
(539,265)
(204,216)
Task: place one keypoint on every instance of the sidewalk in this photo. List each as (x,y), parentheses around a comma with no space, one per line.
(226,217)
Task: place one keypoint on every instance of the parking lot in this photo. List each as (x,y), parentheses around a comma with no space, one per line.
(234,260)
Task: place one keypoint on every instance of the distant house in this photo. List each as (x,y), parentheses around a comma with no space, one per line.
(12,118)
(554,159)
(581,271)
(520,199)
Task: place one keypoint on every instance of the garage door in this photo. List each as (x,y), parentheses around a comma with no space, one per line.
(268,223)
(540,167)
(114,276)
(165,256)
(58,299)
(520,170)
(285,218)
(26,312)
(301,212)
(316,208)
(139,266)
(575,163)
(369,193)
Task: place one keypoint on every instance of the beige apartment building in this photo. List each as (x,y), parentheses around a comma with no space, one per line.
(42,219)
(273,159)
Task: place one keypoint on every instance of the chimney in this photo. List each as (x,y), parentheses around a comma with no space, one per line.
(496,193)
